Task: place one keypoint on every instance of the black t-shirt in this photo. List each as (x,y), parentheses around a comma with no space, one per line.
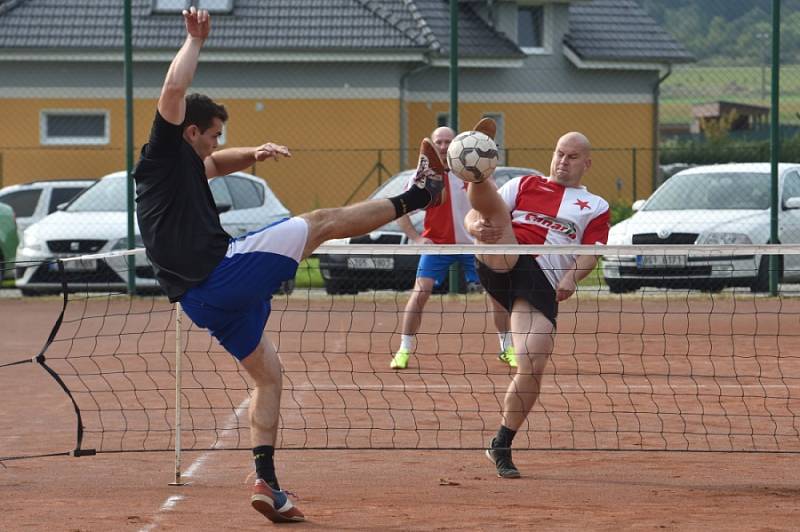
(177,215)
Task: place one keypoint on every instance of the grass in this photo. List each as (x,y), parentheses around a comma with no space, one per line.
(701,84)
(308,275)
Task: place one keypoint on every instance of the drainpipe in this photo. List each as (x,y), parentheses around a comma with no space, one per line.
(656,94)
(404,112)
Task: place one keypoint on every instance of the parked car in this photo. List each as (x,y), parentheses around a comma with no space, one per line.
(33,201)
(96,222)
(719,204)
(349,274)
(8,241)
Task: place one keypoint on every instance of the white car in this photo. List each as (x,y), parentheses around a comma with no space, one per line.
(35,200)
(718,204)
(96,222)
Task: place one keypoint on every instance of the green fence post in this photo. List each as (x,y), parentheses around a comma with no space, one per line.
(633,176)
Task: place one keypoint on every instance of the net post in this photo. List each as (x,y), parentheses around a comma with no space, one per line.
(178,481)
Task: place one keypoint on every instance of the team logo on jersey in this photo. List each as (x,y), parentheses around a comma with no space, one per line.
(582,204)
(566,228)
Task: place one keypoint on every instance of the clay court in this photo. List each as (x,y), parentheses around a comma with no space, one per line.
(640,388)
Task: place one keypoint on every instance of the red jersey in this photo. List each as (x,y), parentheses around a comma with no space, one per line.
(544,212)
(444,223)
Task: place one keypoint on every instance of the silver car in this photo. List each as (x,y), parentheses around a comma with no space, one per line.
(714,205)
(349,274)
(96,222)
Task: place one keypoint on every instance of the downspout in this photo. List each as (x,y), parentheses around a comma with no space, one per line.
(656,136)
(403,158)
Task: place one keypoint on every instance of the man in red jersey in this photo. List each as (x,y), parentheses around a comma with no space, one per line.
(535,210)
(444,224)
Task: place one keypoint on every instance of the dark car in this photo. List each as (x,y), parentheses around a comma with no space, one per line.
(349,274)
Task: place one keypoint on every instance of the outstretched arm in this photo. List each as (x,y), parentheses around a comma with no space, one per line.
(171,103)
(229,160)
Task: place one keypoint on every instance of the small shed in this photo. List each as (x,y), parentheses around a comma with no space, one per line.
(744,117)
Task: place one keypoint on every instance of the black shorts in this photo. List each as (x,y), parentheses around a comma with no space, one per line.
(526,280)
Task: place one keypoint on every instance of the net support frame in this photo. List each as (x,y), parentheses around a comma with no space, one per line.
(178,481)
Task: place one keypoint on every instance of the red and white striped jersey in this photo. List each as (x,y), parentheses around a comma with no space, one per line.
(444,224)
(544,212)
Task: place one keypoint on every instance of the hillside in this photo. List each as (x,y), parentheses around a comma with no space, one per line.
(729,32)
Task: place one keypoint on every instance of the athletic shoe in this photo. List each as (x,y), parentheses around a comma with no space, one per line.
(509,356)
(502,461)
(274,504)
(400,360)
(487,126)
(430,172)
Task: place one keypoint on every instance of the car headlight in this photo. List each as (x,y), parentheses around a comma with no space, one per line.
(122,243)
(31,241)
(724,238)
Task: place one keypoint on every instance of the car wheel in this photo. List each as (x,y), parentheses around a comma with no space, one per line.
(621,286)
(29,292)
(340,287)
(711,286)
(761,280)
(286,288)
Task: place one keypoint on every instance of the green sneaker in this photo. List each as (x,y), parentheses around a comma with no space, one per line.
(400,360)
(509,356)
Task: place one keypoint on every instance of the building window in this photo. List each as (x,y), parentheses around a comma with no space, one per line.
(80,126)
(176,6)
(530,28)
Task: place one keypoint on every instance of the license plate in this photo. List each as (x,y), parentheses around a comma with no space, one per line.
(89,265)
(370,263)
(661,261)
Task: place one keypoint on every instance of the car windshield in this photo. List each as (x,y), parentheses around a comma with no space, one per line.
(714,191)
(107,195)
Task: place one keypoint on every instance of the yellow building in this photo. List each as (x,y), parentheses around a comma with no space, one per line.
(351,89)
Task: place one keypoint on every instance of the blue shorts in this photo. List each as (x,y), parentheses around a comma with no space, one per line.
(233,303)
(436,267)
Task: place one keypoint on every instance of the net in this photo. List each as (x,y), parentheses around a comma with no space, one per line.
(666,359)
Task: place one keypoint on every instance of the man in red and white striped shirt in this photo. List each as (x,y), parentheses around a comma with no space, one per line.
(535,210)
(443,224)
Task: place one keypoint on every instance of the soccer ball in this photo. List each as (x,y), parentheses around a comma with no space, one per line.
(472,156)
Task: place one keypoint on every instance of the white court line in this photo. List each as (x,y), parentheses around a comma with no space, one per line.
(172,501)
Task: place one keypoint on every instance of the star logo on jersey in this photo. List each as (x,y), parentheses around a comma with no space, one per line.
(582,204)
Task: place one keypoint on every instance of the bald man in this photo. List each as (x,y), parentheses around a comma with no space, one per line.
(534,210)
(443,224)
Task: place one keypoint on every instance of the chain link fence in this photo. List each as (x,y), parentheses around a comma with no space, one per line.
(352,102)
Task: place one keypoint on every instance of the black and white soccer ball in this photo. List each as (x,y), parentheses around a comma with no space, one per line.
(472,156)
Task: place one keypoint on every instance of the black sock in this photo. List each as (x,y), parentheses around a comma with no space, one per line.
(265,466)
(504,437)
(410,200)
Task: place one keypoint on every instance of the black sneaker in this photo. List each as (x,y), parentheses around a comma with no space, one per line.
(502,461)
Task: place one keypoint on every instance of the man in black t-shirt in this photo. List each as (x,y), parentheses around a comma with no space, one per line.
(225,284)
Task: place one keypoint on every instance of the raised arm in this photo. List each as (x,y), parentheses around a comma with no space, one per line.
(171,103)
